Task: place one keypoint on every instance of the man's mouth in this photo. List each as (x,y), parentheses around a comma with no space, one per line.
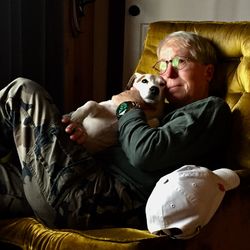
(174,87)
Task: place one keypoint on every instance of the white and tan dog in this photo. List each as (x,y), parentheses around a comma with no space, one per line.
(99,119)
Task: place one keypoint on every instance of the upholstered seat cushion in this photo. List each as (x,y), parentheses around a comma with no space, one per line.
(228,230)
(31,234)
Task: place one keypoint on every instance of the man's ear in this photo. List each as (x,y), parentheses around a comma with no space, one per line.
(209,72)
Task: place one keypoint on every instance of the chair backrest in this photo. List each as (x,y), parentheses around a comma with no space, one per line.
(232,41)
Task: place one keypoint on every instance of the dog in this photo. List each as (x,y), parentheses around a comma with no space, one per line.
(99,119)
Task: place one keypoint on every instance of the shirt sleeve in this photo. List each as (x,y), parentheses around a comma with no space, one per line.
(194,132)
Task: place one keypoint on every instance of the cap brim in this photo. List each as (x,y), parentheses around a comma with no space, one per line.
(230,178)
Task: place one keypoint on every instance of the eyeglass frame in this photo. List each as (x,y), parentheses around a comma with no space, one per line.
(186,58)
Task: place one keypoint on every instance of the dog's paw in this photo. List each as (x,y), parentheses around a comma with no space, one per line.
(153,123)
(76,116)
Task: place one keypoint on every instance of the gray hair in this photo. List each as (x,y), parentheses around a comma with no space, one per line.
(200,48)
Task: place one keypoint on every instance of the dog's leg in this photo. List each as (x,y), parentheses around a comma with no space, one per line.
(90,108)
(153,123)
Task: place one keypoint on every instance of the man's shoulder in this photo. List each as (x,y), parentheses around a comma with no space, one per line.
(211,102)
(208,108)
(216,99)
(218,103)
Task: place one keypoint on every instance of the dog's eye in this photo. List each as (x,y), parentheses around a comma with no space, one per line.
(162,84)
(144,81)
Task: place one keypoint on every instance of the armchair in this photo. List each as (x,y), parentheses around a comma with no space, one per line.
(230,226)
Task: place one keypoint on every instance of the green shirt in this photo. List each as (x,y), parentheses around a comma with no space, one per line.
(196,134)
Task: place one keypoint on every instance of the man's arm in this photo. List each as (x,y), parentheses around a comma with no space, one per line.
(195,132)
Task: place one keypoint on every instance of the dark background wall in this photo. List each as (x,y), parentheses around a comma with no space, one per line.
(39,42)
(31,43)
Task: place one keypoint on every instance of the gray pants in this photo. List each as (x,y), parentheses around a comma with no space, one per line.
(54,178)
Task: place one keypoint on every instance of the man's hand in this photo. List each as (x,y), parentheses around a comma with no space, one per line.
(132,95)
(75,130)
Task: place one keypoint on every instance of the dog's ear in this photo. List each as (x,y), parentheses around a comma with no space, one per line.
(132,79)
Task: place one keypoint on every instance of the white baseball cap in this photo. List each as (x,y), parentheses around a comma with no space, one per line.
(185,200)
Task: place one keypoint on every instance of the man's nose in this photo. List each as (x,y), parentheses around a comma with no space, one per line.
(171,72)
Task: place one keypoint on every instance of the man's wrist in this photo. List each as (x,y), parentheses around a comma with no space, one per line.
(124,107)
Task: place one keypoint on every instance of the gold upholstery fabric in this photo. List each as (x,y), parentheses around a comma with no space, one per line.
(231,224)
(28,233)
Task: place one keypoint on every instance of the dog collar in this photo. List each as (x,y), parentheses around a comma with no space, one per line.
(124,107)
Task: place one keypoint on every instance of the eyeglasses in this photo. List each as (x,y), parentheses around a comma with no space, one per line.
(178,63)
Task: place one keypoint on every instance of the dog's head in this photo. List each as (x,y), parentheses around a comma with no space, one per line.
(151,87)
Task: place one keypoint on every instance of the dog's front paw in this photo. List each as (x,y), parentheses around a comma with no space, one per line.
(76,116)
(153,123)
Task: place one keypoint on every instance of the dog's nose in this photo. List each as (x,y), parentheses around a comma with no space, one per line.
(154,90)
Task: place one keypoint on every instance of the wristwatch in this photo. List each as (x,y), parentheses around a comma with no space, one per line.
(124,107)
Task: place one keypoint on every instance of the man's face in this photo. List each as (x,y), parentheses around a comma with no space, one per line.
(189,84)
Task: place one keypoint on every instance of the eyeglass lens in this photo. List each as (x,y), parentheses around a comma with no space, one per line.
(176,63)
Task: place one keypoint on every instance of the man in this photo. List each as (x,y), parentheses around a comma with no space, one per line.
(66,187)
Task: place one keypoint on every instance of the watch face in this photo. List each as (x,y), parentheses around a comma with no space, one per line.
(122,109)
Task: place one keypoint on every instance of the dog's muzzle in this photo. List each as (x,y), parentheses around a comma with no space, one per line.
(154,91)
